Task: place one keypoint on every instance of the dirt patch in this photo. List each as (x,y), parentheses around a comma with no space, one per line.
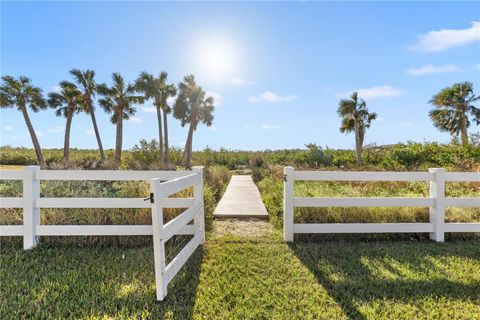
(242,227)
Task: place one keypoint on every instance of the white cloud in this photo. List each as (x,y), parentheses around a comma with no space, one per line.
(406,124)
(430,69)
(478,66)
(269,96)
(374,92)
(269,127)
(57,129)
(134,120)
(150,109)
(246,126)
(242,82)
(8,128)
(171,101)
(212,128)
(56,88)
(39,133)
(218,99)
(439,40)
(90,133)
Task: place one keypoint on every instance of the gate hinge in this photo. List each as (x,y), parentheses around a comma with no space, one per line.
(149,198)
(285,177)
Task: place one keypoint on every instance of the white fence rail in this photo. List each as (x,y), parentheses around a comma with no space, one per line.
(436,203)
(163,184)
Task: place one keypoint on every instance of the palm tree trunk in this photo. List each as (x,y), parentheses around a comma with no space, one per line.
(160,133)
(186,159)
(464,132)
(97,134)
(165,129)
(66,144)
(33,135)
(190,152)
(358,148)
(118,140)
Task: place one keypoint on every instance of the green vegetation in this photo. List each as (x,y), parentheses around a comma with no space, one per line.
(21,94)
(145,155)
(157,89)
(119,100)
(453,106)
(357,119)
(192,107)
(247,278)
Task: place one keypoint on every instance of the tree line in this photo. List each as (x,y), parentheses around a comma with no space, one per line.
(192,106)
(454,106)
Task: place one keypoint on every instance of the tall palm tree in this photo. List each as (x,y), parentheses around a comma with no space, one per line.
(119,100)
(192,107)
(67,102)
(20,93)
(452,108)
(85,79)
(159,90)
(356,118)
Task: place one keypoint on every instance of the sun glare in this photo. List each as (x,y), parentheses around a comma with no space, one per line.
(215,57)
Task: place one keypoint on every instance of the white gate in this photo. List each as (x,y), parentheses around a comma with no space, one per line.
(174,181)
(181,224)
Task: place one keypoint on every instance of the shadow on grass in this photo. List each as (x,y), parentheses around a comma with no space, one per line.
(362,272)
(71,282)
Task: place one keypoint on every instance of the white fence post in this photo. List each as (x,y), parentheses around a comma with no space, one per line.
(288,193)
(156,198)
(437,212)
(31,214)
(199,220)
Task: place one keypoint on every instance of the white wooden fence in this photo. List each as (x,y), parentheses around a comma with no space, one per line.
(436,203)
(162,185)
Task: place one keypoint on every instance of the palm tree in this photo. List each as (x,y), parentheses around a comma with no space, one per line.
(119,100)
(85,79)
(156,88)
(356,118)
(21,93)
(452,108)
(192,107)
(68,101)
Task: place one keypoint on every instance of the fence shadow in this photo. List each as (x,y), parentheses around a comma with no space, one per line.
(92,282)
(354,273)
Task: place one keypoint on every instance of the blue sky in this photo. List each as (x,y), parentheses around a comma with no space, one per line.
(277,70)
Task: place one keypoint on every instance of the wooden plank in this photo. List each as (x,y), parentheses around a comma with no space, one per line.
(8,231)
(362,176)
(109,175)
(241,200)
(362,202)
(11,202)
(109,203)
(362,227)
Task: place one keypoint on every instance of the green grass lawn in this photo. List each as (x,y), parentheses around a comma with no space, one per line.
(240,278)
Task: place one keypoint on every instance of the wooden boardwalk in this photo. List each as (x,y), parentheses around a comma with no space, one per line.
(241,200)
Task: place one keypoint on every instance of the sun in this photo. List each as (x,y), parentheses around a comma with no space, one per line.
(215,57)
